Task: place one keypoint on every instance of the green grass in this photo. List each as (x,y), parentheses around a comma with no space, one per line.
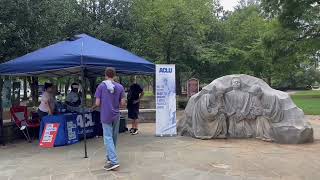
(148,93)
(308,101)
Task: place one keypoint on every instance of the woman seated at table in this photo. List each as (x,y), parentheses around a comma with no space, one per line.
(47,104)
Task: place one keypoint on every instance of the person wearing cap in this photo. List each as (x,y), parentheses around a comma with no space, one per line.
(73,99)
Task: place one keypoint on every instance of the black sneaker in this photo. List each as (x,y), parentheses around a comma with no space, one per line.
(131,130)
(110,167)
(135,132)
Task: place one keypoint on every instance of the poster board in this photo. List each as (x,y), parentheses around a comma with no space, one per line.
(165,100)
(192,86)
(49,135)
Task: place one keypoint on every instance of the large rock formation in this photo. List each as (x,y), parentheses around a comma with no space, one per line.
(242,106)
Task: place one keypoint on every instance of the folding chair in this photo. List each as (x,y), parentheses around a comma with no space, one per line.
(19,115)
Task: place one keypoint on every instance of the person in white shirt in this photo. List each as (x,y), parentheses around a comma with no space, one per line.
(47,104)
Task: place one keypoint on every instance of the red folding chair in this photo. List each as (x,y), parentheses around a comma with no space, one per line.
(19,115)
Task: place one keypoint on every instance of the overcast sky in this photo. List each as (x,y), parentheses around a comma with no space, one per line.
(229,4)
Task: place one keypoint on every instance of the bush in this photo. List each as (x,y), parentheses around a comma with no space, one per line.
(182,103)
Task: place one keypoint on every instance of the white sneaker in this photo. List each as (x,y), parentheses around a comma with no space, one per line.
(135,132)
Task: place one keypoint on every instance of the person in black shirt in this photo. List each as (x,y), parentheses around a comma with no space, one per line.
(135,93)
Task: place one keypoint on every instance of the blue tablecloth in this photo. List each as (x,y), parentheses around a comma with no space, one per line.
(70,127)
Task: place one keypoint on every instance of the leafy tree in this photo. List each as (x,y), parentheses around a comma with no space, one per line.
(27,25)
(170,31)
(274,40)
(303,15)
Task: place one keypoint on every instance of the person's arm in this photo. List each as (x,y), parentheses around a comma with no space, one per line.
(97,103)
(141,94)
(98,98)
(50,109)
(123,103)
(123,99)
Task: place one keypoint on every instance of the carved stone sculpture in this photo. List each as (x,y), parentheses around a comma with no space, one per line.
(242,106)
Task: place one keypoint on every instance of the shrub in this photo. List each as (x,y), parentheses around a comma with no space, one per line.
(182,103)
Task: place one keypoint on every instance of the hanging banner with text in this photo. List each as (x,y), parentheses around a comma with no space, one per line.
(165,100)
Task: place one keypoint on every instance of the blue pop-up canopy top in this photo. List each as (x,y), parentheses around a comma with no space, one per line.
(70,57)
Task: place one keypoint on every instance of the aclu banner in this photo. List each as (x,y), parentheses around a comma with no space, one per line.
(165,100)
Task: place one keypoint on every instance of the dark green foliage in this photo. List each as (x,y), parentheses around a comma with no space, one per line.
(280,45)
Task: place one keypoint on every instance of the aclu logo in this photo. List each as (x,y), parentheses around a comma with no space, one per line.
(165,70)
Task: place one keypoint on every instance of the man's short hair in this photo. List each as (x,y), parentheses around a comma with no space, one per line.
(110,72)
(74,85)
(48,85)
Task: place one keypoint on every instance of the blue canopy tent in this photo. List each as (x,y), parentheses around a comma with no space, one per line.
(74,55)
(81,55)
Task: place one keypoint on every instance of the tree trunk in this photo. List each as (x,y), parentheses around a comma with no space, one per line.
(60,87)
(93,83)
(66,87)
(25,93)
(178,82)
(168,55)
(36,84)
(84,89)
(269,81)
(154,85)
(149,84)
(34,87)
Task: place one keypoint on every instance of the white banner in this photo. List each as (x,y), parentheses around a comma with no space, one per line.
(166,100)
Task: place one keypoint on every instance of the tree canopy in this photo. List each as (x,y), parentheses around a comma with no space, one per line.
(274,40)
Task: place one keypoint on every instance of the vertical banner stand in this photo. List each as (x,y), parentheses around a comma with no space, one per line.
(166,100)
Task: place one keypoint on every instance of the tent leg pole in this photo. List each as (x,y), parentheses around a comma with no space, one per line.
(1,113)
(84,120)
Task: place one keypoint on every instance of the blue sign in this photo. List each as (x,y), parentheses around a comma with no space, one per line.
(165,70)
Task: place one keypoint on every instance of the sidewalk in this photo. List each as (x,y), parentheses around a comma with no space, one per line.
(146,157)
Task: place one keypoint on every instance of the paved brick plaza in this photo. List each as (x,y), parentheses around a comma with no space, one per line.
(145,157)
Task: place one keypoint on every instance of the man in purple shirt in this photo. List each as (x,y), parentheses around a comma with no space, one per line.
(109,97)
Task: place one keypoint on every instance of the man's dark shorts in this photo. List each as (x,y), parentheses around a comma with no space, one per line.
(133,111)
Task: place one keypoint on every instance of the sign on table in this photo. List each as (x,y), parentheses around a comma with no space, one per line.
(49,135)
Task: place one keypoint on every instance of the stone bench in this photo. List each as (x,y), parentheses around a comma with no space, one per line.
(145,115)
